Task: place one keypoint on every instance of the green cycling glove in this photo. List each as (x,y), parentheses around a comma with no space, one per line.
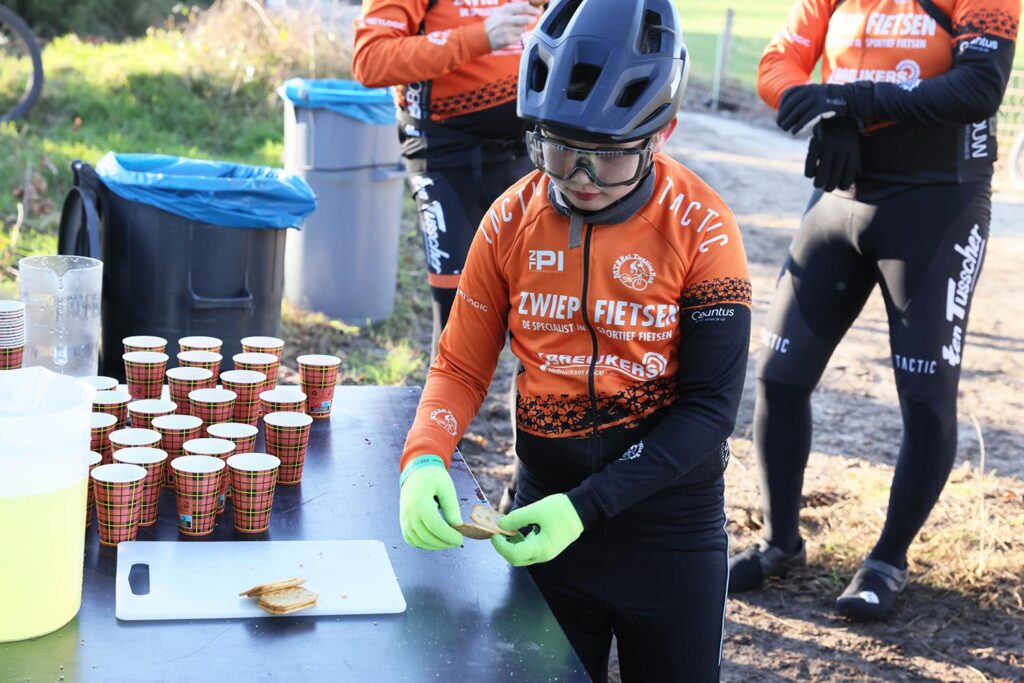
(425,484)
(559,524)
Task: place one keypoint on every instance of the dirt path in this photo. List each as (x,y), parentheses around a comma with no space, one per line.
(789,631)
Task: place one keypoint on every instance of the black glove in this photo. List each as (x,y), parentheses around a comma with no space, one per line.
(804,105)
(833,155)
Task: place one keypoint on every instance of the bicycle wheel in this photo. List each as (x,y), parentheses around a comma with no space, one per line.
(21,66)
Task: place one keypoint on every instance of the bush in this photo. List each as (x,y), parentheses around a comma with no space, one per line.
(114,19)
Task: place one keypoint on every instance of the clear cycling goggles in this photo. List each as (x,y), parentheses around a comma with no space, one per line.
(606,166)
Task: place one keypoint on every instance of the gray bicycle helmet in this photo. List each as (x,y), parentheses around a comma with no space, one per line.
(604,70)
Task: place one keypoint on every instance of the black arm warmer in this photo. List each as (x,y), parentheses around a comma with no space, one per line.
(712,365)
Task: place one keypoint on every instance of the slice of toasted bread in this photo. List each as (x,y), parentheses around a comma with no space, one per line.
(287,600)
(259,590)
(487,518)
(474,531)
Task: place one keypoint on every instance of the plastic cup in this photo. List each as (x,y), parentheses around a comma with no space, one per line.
(207,360)
(247,384)
(287,436)
(253,479)
(215,448)
(152,460)
(263,345)
(144,372)
(242,435)
(113,403)
(133,437)
(143,412)
(267,363)
(212,405)
(100,382)
(118,490)
(183,381)
(100,427)
(319,374)
(283,401)
(144,342)
(197,485)
(194,343)
(175,430)
(11,358)
(94,460)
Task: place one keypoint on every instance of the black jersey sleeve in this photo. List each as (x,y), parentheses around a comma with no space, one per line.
(712,364)
(970,91)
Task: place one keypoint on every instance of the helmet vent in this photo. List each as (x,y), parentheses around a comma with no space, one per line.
(632,92)
(538,75)
(582,81)
(557,24)
(650,38)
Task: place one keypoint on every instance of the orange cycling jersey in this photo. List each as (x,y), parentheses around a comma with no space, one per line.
(598,328)
(438,54)
(934,77)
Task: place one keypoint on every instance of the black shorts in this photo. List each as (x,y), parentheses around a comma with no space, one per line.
(451,205)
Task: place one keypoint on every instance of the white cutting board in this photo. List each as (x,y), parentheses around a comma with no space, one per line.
(202,580)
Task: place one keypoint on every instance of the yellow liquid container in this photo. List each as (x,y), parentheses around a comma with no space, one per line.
(44,436)
(42,540)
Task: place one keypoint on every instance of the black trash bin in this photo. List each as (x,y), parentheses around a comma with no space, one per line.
(172,276)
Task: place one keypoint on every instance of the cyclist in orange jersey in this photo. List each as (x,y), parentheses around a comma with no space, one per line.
(453,64)
(901,155)
(622,279)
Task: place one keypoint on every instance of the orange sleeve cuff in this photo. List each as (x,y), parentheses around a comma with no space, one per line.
(476,39)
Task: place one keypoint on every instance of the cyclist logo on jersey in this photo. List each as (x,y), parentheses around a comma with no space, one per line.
(634,271)
(444,417)
(908,74)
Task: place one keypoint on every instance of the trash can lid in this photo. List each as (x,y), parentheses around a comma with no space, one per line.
(370,105)
(214,192)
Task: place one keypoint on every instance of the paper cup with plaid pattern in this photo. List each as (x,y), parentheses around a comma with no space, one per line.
(247,384)
(208,360)
(266,363)
(253,480)
(144,342)
(212,405)
(94,460)
(211,344)
(101,383)
(11,358)
(263,345)
(142,412)
(152,460)
(197,481)
(175,430)
(113,403)
(183,381)
(283,401)
(133,437)
(319,374)
(144,373)
(287,436)
(100,427)
(242,435)
(216,448)
(118,491)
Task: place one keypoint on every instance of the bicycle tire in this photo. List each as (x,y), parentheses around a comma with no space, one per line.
(25,34)
(1017,161)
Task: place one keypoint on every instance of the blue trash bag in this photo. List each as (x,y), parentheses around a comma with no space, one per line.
(215,192)
(349,98)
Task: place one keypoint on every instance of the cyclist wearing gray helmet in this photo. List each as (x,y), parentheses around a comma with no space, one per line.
(623,281)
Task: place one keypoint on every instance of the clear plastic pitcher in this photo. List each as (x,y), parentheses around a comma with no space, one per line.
(44,437)
(62,313)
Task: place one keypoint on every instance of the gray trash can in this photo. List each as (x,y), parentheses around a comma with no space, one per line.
(340,138)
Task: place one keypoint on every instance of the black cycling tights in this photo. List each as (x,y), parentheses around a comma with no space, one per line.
(924,245)
(451,205)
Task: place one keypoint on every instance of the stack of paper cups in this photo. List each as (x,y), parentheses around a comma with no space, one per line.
(12,334)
